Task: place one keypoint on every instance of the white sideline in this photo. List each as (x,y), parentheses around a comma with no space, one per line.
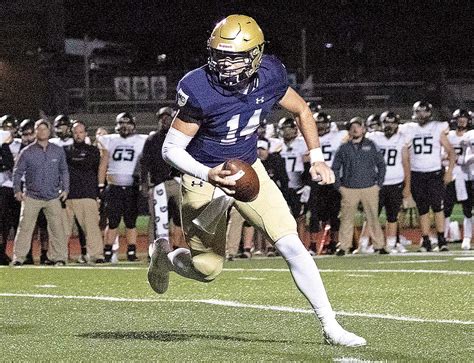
(236,305)
(130,268)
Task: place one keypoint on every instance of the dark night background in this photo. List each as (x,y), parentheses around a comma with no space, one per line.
(400,33)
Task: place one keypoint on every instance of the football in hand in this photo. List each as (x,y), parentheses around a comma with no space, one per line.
(247,184)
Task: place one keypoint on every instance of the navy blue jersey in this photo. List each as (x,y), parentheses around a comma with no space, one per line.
(228,120)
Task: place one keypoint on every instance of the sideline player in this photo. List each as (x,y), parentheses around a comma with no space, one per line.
(427,179)
(220,108)
(120,154)
(394,147)
(325,200)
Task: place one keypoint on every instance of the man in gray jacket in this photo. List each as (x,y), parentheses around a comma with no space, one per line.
(46,185)
(359,168)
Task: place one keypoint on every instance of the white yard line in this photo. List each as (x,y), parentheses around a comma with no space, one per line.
(126,268)
(235,304)
(409,261)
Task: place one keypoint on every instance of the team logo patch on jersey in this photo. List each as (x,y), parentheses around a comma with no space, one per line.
(182,98)
(260,100)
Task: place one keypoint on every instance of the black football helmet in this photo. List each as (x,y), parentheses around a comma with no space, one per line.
(390,121)
(314,106)
(287,128)
(461,120)
(323,122)
(373,123)
(8,123)
(125,124)
(422,111)
(235,50)
(62,126)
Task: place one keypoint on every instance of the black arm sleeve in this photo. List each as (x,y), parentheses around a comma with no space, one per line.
(6,158)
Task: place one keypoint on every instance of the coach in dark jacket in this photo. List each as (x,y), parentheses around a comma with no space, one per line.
(83,162)
(360,170)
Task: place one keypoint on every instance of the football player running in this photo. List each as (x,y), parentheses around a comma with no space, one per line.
(427,178)
(394,147)
(120,154)
(220,107)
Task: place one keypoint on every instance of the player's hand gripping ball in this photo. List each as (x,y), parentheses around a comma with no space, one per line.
(247,184)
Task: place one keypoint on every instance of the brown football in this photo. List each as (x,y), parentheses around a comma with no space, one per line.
(247,184)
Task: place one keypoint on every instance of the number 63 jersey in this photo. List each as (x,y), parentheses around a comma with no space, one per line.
(124,154)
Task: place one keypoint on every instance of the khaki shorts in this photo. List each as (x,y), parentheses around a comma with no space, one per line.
(269,213)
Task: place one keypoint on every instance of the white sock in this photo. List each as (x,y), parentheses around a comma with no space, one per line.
(467,227)
(391,242)
(447,222)
(182,263)
(306,276)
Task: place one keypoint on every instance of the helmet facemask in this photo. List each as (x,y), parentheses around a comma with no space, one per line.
(234,69)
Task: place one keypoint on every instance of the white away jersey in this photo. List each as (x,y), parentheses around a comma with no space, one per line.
(330,142)
(6,177)
(392,154)
(293,154)
(459,144)
(425,151)
(124,154)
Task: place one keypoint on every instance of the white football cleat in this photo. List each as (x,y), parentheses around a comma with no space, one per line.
(466,244)
(400,248)
(335,334)
(158,271)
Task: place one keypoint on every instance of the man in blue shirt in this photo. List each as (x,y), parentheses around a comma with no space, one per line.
(220,106)
(360,172)
(46,185)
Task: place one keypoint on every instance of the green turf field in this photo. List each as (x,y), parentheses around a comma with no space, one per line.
(415,307)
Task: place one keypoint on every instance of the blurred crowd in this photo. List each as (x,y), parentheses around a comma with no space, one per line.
(55,181)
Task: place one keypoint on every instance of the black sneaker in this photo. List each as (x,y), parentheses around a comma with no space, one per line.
(331,248)
(381,251)
(99,261)
(340,252)
(132,253)
(108,253)
(443,246)
(44,260)
(5,260)
(59,263)
(425,246)
(17,263)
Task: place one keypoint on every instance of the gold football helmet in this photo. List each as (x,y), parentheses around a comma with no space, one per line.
(235,49)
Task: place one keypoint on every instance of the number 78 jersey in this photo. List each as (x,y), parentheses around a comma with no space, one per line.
(124,154)
(391,149)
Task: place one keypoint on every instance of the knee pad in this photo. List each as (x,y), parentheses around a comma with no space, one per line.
(209,264)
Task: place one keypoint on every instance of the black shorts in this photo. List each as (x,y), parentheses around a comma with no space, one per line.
(297,208)
(451,199)
(324,204)
(121,202)
(428,190)
(391,197)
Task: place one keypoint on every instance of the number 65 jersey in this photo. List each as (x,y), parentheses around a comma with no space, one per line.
(425,151)
(124,154)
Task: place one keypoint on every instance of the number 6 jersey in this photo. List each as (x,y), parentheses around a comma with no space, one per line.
(124,154)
